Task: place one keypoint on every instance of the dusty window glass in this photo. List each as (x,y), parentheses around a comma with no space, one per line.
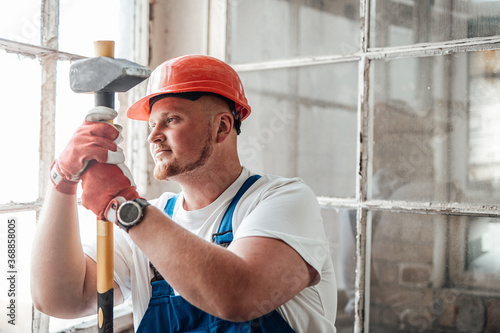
(484,87)
(476,257)
(340,228)
(19,128)
(303,123)
(20,21)
(434,121)
(396,23)
(71,107)
(263,30)
(80,24)
(483,248)
(411,289)
(15,282)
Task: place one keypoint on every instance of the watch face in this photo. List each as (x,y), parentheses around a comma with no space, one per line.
(129,213)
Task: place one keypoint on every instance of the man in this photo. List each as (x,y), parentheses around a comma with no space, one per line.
(273,272)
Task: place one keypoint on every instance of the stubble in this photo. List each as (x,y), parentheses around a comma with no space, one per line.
(165,170)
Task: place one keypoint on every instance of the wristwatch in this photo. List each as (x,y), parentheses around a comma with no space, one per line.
(130,213)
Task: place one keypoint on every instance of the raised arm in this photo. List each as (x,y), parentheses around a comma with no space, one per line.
(63,278)
(250,278)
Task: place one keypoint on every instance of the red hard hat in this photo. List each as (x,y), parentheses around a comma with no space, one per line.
(188,74)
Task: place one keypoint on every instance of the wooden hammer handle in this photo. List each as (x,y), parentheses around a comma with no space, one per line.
(105,250)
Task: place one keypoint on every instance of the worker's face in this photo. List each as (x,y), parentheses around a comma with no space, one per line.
(181,138)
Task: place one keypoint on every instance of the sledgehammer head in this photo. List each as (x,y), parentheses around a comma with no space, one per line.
(103,74)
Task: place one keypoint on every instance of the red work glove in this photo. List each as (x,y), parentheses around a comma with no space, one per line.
(105,186)
(96,140)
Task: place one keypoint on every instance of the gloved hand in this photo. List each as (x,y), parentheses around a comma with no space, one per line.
(95,139)
(105,187)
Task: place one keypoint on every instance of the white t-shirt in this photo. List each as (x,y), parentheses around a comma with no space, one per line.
(273,206)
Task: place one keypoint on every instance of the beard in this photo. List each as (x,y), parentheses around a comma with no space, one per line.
(165,170)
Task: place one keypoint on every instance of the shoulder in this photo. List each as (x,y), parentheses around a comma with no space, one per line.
(288,210)
(279,199)
(272,187)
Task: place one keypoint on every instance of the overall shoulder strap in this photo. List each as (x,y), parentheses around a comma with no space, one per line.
(169,210)
(169,207)
(224,235)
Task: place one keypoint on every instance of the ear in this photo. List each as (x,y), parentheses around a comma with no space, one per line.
(225,126)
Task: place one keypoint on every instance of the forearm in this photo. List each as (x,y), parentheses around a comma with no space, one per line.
(58,264)
(186,261)
(229,285)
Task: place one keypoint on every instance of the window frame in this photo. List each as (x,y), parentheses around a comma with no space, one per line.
(361,203)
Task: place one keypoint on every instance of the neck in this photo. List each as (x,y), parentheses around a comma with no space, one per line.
(204,187)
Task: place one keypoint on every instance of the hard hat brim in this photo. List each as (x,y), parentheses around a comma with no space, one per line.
(140,110)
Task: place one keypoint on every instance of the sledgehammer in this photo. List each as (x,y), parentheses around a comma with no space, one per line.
(103,76)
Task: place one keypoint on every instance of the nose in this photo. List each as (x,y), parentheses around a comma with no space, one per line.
(156,135)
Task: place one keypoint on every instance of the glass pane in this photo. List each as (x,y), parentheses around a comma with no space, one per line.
(303,124)
(20,21)
(396,23)
(483,249)
(484,157)
(340,227)
(16,229)
(83,22)
(262,30)
(410,288)
(19,128)
(71,107)
(435,124)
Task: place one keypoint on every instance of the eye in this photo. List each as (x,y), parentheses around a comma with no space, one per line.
(170,120)
(165,122)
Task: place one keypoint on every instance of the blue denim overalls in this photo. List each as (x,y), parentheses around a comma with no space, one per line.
(170,313)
